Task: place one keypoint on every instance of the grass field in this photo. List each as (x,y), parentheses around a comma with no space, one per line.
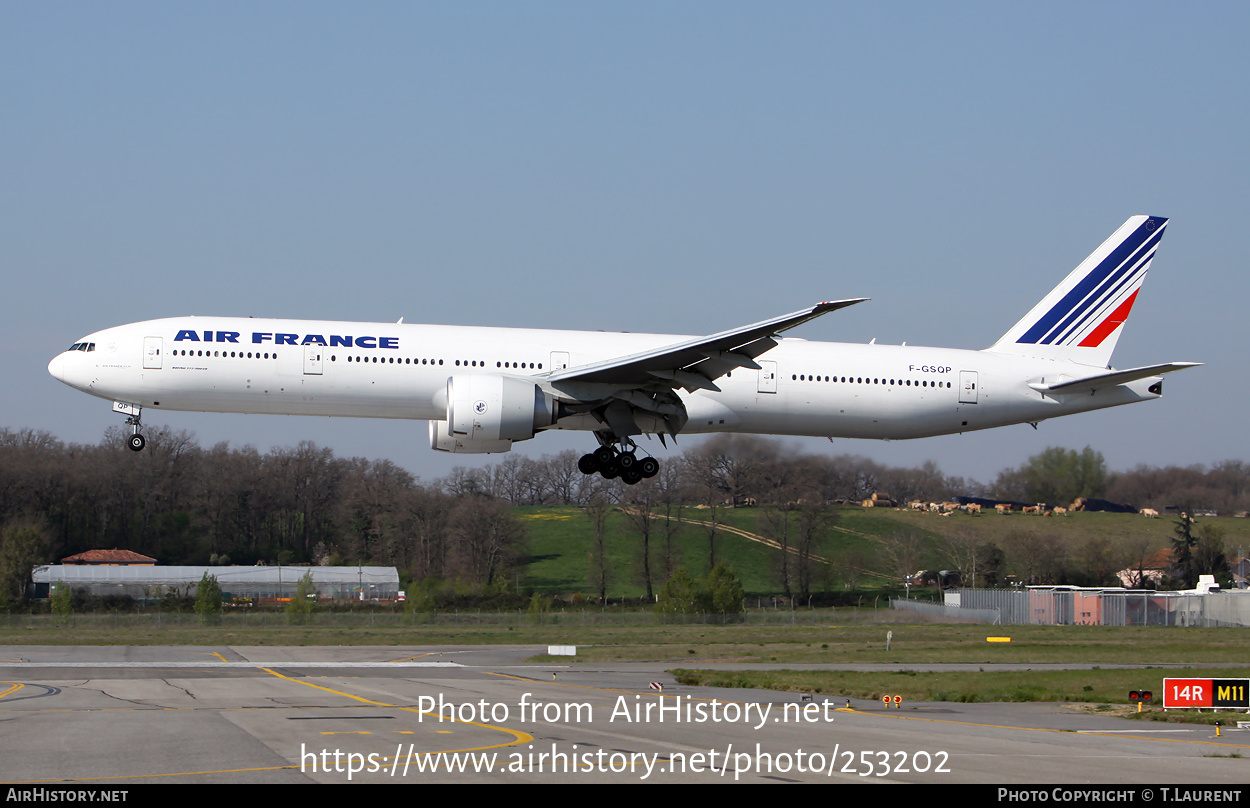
(853,638)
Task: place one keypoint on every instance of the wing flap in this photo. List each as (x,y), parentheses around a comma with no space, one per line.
(707,358)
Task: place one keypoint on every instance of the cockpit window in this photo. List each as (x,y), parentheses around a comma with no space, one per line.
(82,346)
(91,346)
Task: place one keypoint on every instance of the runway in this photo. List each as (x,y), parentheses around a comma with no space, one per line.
(118,715)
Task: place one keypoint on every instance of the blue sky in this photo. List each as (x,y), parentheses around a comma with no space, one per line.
(677,168)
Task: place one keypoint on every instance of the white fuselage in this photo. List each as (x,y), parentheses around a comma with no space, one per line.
(377,370)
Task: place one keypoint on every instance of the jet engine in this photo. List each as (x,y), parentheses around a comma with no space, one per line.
(488,413)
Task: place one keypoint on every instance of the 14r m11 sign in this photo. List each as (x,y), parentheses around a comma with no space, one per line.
(1234,693)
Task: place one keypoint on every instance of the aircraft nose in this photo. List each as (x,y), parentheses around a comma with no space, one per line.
(57,367)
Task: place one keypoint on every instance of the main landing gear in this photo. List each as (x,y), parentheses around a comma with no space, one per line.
(611,462)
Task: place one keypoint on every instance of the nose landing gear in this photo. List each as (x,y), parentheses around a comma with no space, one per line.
(135,412)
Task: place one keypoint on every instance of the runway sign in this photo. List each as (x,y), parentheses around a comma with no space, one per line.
(1233,693)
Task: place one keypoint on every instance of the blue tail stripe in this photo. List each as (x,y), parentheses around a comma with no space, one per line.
(1098,297)
(1079,295)
(1108,265)
(1138,271)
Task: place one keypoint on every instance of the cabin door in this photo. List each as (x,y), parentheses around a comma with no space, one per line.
(768,377)
(312,360)
(967,387)
(152,353)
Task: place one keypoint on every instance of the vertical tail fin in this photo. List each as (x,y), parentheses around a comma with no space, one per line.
(1081,319)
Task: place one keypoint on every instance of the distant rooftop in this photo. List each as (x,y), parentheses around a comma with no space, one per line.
(113,556)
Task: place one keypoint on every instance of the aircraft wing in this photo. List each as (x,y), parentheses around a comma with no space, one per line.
(1114,378)
(695,364)
(615,389)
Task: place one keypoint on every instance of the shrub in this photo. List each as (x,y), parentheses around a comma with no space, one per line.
(208,600)
(62,603)
(299,610)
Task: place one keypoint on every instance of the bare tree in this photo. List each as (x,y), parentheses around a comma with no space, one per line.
(961,550)
(597,511)
(811,527)
(903,550)
(486,539)
(775,523)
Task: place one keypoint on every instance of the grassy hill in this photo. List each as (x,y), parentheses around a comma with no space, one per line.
(560,544)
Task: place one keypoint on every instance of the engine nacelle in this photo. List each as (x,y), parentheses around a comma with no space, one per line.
(486,413)
(442,440)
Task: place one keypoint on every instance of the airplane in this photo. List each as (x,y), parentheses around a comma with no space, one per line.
(483,389)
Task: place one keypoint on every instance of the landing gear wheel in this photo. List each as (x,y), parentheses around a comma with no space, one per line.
(588,464)
(137,442)
(631,475)
(604,454)
(648,467)
(610,470)
(627,460)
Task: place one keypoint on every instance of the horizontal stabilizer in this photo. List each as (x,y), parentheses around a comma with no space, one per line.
(1114,378)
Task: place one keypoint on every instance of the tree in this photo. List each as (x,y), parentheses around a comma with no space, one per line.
(208,599)
(813,523)
(597,511)
(903,549)
(299,609)
(1209,557)
(775,524)
(1038,558)
(538,608)
(640,516)
(681,595)
(1056,476)
(990,563)
(1199,552)
(21,548)
(486,539)
(62,603)
(852,564)
(1183,544)
(1097,562)
(729,467)
(724,595)
(961,551)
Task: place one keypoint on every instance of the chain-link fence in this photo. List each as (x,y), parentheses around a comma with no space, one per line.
(1058,606)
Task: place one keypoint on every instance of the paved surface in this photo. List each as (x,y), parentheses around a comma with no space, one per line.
(240,714)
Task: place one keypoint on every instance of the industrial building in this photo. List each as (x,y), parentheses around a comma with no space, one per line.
(239,583)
